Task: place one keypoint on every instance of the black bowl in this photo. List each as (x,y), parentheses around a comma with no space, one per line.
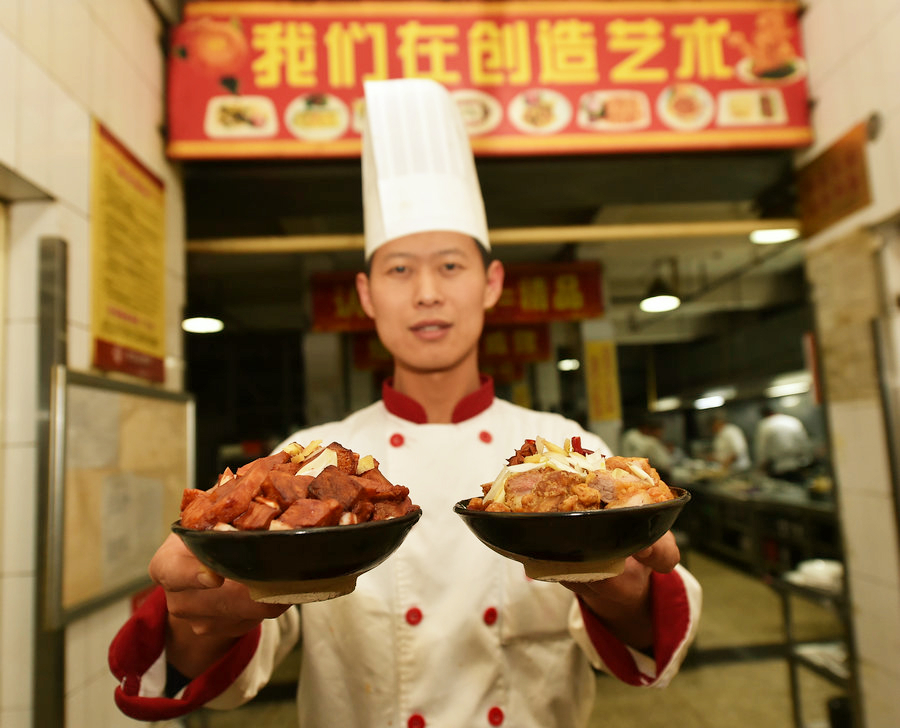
(577,545)
(301,565)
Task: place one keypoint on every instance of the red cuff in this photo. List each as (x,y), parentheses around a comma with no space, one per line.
(671,620)
(139,644)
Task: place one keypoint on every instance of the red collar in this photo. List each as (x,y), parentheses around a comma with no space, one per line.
(406,407)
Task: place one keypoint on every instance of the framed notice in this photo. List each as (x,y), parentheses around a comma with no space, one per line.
(120,457)
(285,79)
(128,248)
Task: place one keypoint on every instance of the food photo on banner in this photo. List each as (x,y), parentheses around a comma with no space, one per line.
(285,79)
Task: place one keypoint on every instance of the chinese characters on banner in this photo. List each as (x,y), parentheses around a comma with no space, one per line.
(285,79)
(531,294)
(128,248)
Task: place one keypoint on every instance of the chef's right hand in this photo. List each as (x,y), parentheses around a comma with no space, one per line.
(207,613)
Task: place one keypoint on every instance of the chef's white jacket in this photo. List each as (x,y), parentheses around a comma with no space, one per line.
(445,633)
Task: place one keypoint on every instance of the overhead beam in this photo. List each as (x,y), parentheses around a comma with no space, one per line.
(502,236)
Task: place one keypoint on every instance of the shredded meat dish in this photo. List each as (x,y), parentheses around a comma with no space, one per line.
(299,487)
(542,477)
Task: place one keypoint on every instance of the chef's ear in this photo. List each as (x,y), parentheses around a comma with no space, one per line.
(494,285)
(365,296)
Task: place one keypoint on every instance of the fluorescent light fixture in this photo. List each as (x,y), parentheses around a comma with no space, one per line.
(568,365)
(709,401)
(787,389)
(667,404)
(773,236)
(791,400)
(202,325)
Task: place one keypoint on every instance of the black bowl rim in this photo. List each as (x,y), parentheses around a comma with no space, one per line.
(682,497)
(413,516)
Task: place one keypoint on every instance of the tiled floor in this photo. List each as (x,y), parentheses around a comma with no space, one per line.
(733,678)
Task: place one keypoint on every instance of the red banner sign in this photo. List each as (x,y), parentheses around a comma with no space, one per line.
(285,79)
(531,294)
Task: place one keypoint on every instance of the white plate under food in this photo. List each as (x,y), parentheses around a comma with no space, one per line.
(240,117)
(685,106)
(481,112)
(317,117)
(540,111)
(618,110)
(751,107)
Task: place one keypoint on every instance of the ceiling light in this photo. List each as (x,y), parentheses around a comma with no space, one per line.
(568,365)
(660,298)
(784,390)
(713,400)
(202,325)
(667,404)
(772,236)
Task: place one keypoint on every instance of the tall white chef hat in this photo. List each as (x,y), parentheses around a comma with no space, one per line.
(417,165)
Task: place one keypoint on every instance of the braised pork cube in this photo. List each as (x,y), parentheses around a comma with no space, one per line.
(284,488)
(363,510)
(309,513)
(234,497)
(391,509)
(347,460)
(376,487)
(334,483)
(258,516)
(266,463)
(200,513)
(189,495)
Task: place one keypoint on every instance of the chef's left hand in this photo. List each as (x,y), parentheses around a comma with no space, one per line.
(623,602)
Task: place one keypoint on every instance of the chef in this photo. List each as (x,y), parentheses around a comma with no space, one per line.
(444,633)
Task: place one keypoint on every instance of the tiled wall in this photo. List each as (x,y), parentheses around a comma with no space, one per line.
(62,63)
(854,62)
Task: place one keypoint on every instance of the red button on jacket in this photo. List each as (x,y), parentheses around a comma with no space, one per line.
(495,716)
(415,721)
(490,615)
(485,436)
(396,439)
(413,615)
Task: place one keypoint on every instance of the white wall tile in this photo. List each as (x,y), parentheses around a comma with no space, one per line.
(16,632)
(21,383)
(80,347)
(102,97)
(34,30)
(28,221)
(888,49)
(76,638)
(33,122)
(858,444)
(70,62)
(14,718)
(877,608)
(821,34)
(9,17)
(879,691)
(884,9)
(857,23)
(147,54)
(69,149)
(9,69)
(19,514)
(870,528)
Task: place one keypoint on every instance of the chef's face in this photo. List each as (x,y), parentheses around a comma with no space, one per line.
(427,294)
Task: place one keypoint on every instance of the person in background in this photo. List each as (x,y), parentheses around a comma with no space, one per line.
(729,447)
(445,632)
(646,441)
(782,446)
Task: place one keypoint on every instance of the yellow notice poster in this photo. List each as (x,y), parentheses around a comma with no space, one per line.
(602,378)
(128,248)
